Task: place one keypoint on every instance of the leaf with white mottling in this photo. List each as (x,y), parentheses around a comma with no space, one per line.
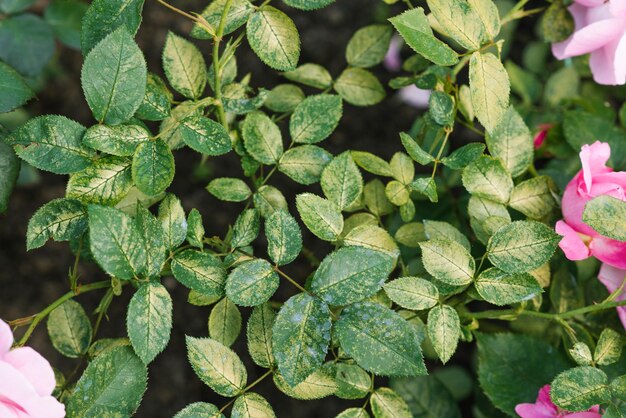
(341,181)
(252,283)
(489,87)
(412,293)
(172,217)
(225,322)
(315,118)
(59,219)
(500,288)
(305,163)
(444,330)
(153,167)
(205,136)
(120,140)
(184,66)
(486,177)
(262,138)
(284,238)
(448,261)
(69,329)
(259,335)
(252,405)
(273,36)
(322,217)
(386,404)
(199,271)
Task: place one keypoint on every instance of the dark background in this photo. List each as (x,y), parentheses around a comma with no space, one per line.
(30,281)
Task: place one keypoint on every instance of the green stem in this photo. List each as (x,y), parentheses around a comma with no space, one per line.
(69,295)
(440,153)
(217,70)
(512,314)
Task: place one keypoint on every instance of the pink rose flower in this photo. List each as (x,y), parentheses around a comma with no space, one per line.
(595,179)
(612,278)
(26,382)
(544,408)
(600,29)
(540,137)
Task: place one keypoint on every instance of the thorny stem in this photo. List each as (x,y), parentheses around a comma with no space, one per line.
(36,319)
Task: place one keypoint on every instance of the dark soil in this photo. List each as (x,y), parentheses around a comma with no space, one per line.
(31,281)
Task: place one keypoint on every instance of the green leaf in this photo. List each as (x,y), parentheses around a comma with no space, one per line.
(486,177)
(259,335)
(199,409)
(229,189)
(65,18)
(300,337)
(105,182)
(284,238)
(199,271)
(116,243)
(14,6)
(195,228)
(387,403)
(225,322)
(312,75)
(156,104)
(438,229)
(171,127)
(374,238)
(121,140)
(426,397)
(149,320)
(172,217)
(372,163)
(252,283)
(481,212)
(205,136)
(269,199)
(581,127)
(318,385)
(444,330)
(448,261)
(59,219)
(441,108)
(522,246)
(380,340)
(10,167)
(322,217)
(153,167)
(500,288)
(341,181)
(354,413)
(607,215)
(609,347)
(414,28)
(359,87)
(402,168)
(262,138)
(510,141)
(375,198)
(15,91)
(463,156)
(351,274)
(273,36)
(237,15)
(69,329)
(252,405)
(27,43)
(427,187)
(581,354)
(580,388)
(489,87)
(308,4)
(114,78)
(557,23)
(112,385)
(105,16)
(412,293)
(533,362)
(154,236)
(534,197)
(315,118)
(216,365)
(411,234)
(414,150)
(470,23)
(368,46)
(184,66)
(52,143)
(352,381)
(237,99)
(246,228)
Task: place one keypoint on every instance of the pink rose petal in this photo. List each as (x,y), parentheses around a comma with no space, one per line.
(6,338)
(609,251)
(571,244)
(33,367)
(594,158)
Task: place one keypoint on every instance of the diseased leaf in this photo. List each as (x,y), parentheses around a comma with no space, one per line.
(105,16)
(153,167)
(607,215)
(15,91)
(412,293)
(305,163)
(315,118)
(322,217)
(500,288)
(534,197)
(149,320)
(580,388)
(352,381)
(216,365)
(486,177)
(351,274)
(114,78)
(438,229)
(609,347)
(269,199)
(112,385)
(359,87)
(105,182)
(510,141)
(201,409)
(318,385)
(489,87)
(300,337)
(252,283)
(284,238)
(150,228)
(259,335)
(195,229)
(229,189)
(156,104)
(199,271)
(172,217)
(184,66)
(414,150)
(308,4)
(380,340)
(368,46)
(462,157)
(237,16)
(312,75)
(387,403)
(252,405)
(205,136)
(372,163)
(246,228)
(448,261)
(52,143)
(273,36)
(120,140)
(116,243)
(522,246)
(262,138)
(225,322)
(444,330)
(69,329)
(59,219)
(375,198)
